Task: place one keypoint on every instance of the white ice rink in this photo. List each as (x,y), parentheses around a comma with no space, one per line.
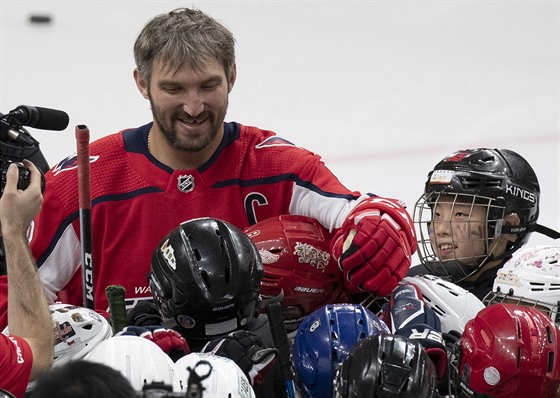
(382,90)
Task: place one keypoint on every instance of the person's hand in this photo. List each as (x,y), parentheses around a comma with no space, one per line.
(374,246)
(144,313)
(19,207)
(169,340)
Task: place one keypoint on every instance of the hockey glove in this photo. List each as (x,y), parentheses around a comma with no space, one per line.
(411,318)
(374,246)
(169,340)
(247,350)
(144,313)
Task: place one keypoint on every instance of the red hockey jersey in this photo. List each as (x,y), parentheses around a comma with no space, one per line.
(136,201)
(16,359)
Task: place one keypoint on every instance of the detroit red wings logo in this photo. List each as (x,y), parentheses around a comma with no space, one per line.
(457,156)
(70,163)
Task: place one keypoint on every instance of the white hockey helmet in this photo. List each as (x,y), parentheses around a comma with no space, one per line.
(140,360)
(76,331)
(220,377)
(454,305)
(531,277)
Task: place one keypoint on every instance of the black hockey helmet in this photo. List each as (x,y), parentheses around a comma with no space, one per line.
(499,179)
(205,277)
(386,365)
(500,174)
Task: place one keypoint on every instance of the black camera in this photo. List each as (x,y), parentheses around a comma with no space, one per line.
(23,179)
(17,144)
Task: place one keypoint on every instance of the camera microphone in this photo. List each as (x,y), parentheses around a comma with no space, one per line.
(40,118)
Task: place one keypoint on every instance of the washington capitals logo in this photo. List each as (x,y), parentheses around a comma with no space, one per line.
(70,163)
(273,141)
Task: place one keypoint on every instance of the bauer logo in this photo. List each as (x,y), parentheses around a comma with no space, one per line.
(310,290)
(520,193)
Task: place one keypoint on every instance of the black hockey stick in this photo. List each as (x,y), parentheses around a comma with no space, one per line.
(86,239)
(273,309)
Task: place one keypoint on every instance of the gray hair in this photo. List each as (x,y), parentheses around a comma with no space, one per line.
(183,37)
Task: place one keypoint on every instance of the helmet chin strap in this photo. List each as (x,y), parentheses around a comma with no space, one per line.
(547,231)
(531,227)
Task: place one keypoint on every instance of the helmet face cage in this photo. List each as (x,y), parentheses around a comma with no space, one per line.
(456,232)
(498,297)
(497,178)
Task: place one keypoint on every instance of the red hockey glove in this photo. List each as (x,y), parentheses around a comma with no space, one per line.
(411,318)
(374,246)
(169,340)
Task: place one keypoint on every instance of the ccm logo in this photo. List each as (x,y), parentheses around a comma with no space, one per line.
(520,192)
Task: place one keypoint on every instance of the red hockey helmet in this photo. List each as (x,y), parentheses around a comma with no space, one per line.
(296,260)
(510,351)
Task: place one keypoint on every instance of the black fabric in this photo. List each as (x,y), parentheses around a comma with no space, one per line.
(247,350)
(144,313)
(483,284)
(480,287)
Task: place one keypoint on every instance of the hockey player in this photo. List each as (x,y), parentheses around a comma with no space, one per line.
(189,163)
(28,350)
(478,207)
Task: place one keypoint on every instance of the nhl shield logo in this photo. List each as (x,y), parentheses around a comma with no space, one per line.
(185,183)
